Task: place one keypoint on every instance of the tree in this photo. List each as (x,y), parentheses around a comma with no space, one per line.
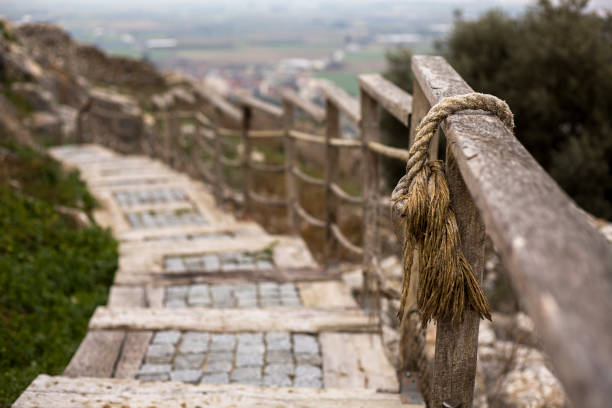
(553,66)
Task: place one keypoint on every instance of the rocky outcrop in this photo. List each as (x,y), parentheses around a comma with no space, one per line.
(47,80)
(11,128)
(99,67)
(111,119)
(54,49)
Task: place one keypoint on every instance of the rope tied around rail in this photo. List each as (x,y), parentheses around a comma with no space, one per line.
(446,285)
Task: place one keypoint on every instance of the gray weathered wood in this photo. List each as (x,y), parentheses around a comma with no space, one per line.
(370,132)
(62,392)
(96,355)
(314,111)
(332,130)
(420,107)
(125,296)
(222,106)
(246,158)
(132,354)
(289,150)
(254,103)
(559,264)
(343,102)
(395,100)
(454,369)
(356,361)
(292,319)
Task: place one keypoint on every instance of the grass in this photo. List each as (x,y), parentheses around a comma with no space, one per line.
(52,274)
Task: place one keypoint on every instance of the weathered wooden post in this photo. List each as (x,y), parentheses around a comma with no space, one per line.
(218,166)
(289,148)
(370,132)
(412,336)
(454,368)
(332,131)
(246,157)
(167,134)
(452,378)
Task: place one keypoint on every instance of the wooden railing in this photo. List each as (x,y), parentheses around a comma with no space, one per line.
(559,264)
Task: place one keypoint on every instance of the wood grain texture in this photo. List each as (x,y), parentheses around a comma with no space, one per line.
(342,101)
(97,354)
(154,295)
(307,320)
(276,275)
(370,132)
(327,294)
(61,392)
(126,296)
(454,369)
(289,150)
(246,158)
(132,354)
(254,103)
(395,100)
(314,111)
(558,262)
(332,130)
(222,106)
(219,186)
(356,361)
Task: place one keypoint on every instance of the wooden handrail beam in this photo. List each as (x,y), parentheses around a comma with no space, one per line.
(314,111)
(388,151)
(222,104)
(392,98)
(258,104)
(559,263)
(343,101)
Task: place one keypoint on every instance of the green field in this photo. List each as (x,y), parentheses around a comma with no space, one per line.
(345,80)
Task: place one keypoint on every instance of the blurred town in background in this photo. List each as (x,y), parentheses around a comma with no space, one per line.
(259,45)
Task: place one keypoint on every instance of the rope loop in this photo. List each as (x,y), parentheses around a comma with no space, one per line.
(446,283)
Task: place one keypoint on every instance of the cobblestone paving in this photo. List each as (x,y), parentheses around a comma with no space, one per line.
(169,218)
(261,294)
(225,261)
(152,196)
(269,359)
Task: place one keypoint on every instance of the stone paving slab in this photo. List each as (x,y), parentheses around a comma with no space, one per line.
(236,295)
(259,358)
(287,252)
(165,218)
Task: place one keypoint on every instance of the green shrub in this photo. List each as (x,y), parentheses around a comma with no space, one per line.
(38,175)
(52,274)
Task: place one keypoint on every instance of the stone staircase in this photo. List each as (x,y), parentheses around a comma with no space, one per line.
(208,310)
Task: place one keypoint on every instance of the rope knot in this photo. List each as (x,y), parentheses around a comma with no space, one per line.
(446,284)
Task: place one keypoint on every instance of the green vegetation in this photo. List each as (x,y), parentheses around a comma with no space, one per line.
(345,80)
(553,65)
(52,273)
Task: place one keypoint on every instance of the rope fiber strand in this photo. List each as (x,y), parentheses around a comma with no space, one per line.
(446,282)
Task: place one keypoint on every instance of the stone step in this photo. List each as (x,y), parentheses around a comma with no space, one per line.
(63,392)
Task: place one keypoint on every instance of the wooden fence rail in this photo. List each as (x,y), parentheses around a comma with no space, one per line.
(560,266)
